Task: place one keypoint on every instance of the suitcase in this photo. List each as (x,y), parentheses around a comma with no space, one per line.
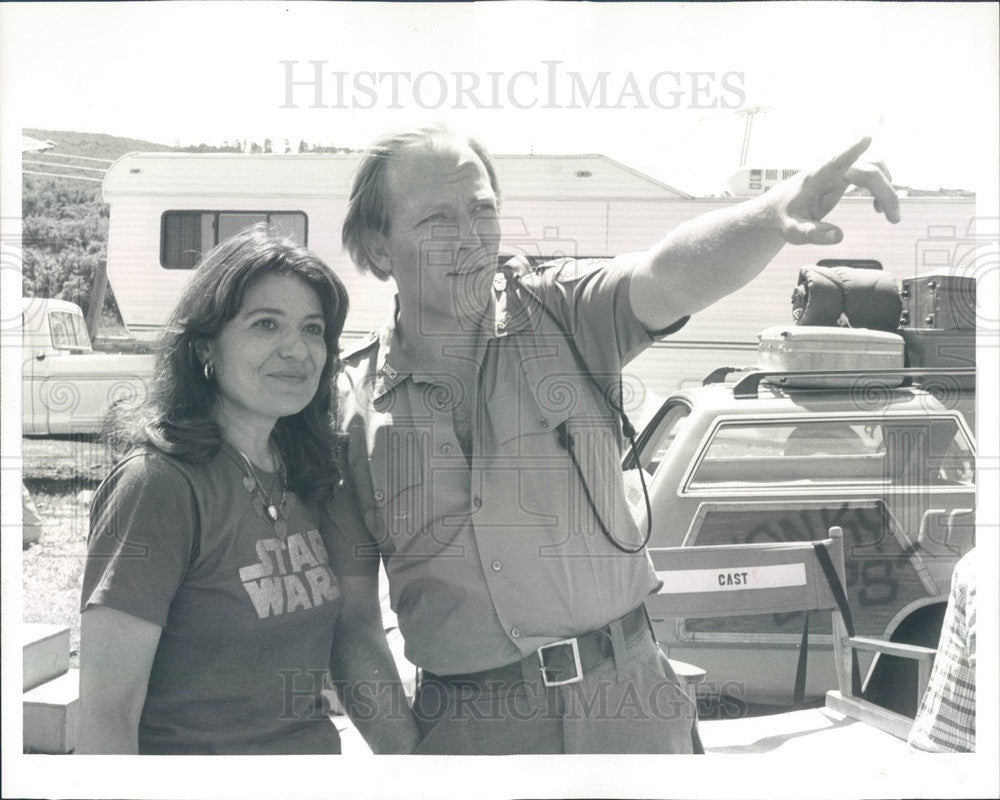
(789,348)
(939,300)
(927,347)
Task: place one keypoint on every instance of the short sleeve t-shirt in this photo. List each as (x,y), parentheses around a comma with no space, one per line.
(247,616)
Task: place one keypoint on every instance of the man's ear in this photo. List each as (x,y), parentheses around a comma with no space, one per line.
(377,250)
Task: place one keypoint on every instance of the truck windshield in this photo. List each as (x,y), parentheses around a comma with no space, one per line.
(883,451)
(69,332)
(671,422)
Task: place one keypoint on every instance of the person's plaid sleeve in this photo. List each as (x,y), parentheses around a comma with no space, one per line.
(946,720)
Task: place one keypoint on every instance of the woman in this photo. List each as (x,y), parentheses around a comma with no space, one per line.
(209,602)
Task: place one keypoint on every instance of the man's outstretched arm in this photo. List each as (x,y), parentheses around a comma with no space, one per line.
(715,254)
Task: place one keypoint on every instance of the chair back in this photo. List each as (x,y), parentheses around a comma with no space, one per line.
(727,580)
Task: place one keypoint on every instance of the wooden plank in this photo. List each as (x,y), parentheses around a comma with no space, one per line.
(915,652)
(869,713)
(46,653)
(50,715)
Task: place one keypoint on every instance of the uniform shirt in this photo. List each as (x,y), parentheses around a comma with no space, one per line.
(247,617)
(946,720)
(490,559)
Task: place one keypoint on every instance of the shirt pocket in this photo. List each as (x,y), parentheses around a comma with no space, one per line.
(534,401)
(398,506)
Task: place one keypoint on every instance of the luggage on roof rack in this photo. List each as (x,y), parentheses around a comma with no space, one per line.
(955,349)
(789,348)
(939,301)
(865,297)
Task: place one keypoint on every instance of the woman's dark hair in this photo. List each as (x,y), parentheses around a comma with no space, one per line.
(177,419)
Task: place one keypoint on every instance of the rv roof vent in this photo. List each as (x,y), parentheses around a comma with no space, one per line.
(583,173)
(134,171)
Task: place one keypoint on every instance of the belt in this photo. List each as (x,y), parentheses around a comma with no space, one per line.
(558,663)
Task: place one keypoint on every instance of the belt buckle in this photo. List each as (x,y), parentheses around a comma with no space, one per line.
(575,647)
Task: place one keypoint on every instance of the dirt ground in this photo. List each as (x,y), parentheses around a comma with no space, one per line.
(61,475)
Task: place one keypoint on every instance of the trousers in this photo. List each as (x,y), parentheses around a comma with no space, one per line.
(630,703)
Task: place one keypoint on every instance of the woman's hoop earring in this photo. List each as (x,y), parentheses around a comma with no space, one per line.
(209,372)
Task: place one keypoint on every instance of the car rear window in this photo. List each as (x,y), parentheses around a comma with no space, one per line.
(931,451)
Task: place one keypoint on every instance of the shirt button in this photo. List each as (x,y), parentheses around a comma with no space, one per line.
(446,448)
(543,422)
(477,502)
(497,566)
(380,495)
(514,632)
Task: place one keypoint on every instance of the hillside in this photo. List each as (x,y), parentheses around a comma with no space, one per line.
(65,220)
(92,145)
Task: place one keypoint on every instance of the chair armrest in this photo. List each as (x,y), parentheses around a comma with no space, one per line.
(687,673)
(912,651)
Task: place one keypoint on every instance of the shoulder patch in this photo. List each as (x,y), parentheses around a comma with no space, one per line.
(360,346)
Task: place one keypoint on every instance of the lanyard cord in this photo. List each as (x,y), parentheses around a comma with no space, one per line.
(566,438)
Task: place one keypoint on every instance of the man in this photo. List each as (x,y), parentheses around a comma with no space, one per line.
(484,443)
(946,720)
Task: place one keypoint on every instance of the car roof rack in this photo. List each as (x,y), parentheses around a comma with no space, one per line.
(747,388)
(720,374)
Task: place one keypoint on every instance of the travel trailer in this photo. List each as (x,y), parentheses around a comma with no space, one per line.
(167,208)
(750,181)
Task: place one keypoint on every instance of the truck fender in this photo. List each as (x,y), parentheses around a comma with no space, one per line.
(891,681)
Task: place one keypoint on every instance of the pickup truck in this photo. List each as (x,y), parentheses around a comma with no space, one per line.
(744,458)
(66,387)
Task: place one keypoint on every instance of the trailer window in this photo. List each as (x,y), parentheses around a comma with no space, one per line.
(186,235)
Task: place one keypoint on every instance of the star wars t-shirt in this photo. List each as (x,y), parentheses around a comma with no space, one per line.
(248,616)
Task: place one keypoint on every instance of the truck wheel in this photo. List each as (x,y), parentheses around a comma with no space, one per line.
(893,682)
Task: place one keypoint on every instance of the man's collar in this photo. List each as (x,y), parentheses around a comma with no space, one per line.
(513,312)
(387,374)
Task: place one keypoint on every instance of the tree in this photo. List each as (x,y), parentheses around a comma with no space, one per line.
(64,237)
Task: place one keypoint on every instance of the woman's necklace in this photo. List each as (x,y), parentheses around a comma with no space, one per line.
(263,502)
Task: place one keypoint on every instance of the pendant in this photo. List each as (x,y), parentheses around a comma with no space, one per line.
(272,512)
(280,528)
(249,483)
